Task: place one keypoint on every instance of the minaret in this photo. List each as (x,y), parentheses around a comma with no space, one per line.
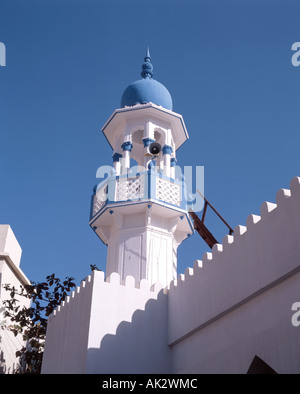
(140,210)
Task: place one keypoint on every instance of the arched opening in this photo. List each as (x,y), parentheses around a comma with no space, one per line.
(260,367)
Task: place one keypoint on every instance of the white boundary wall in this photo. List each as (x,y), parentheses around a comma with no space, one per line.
(108,326)
(236,302)
(233,305)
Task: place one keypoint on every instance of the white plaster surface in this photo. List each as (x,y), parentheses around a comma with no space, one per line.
(233,304)
(9,244)
(10,273)
(109,326)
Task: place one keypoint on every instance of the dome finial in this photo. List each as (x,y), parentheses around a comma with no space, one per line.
(147,54)
(147,68)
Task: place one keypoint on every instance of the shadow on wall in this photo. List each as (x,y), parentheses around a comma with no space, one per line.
(139,346)
(2,362)
(4,368)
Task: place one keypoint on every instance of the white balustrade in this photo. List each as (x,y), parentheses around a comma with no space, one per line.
(134,188)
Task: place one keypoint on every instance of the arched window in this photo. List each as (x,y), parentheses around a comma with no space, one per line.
(259,367)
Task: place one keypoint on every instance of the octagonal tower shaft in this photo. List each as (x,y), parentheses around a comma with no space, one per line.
(140,211)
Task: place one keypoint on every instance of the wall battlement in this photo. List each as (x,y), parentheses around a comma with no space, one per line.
(258,256)
(233,304)
(93,314)
(114,280)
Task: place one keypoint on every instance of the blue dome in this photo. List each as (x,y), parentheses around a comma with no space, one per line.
(147,89)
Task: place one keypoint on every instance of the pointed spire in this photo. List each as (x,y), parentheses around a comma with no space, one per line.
(147,68)
(147,57)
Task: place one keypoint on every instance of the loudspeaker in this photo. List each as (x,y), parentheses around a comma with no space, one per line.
(154,148)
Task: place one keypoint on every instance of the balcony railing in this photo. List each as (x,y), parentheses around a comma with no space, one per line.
(145,186)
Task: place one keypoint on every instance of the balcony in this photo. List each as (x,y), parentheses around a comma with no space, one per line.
(145,186)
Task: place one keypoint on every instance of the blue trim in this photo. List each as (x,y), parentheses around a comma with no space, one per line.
(149,191)
(147,141)
(167,149)
(152,164)
(127,146)
(173,162)
(116,156)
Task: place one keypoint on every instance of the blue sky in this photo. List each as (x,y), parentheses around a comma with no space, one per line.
(227,65)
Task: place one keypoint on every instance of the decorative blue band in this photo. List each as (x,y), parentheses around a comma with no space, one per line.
(127,146)
(116,157)
(167,149)
(173,162)
(147,141)
(152,164)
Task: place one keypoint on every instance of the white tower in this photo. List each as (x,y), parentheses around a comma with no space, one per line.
(140,209)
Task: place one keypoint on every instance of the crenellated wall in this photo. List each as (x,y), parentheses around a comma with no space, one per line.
(233,305)
(101,328)
(67,332)
(221,303)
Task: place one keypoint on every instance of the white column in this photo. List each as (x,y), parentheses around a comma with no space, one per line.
(167,151)
(147,157)
(117,164)
(173,165)
(147,140)
(127,147)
